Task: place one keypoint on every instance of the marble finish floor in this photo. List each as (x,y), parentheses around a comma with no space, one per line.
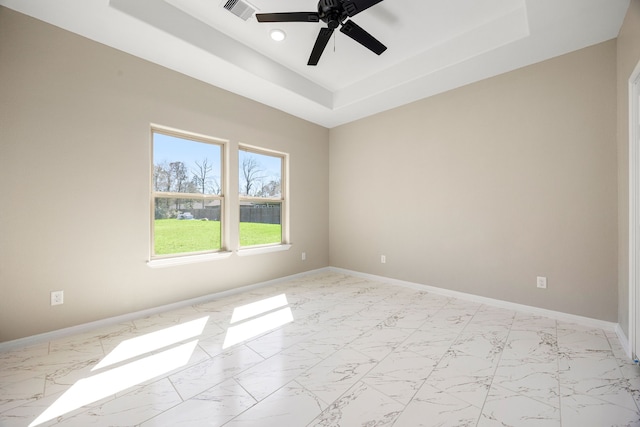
(327,349)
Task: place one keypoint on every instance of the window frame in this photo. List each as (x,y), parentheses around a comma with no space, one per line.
(283,200)
(182,257)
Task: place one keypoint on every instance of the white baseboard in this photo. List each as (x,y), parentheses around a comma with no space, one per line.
(85,327)
(61,333)
(572,318)
(624,341)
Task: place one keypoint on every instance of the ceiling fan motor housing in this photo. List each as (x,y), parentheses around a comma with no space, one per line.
(331,12)
(335,14)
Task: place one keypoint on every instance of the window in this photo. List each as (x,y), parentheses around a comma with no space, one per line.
(187,198)
(262,183)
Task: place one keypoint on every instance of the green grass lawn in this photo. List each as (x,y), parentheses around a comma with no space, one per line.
(174,236)
(254,233)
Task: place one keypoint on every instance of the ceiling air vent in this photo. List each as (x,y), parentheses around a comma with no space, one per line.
(239,8)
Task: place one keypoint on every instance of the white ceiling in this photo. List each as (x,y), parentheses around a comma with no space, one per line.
(433,45)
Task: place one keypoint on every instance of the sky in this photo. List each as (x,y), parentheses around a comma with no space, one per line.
(171,149)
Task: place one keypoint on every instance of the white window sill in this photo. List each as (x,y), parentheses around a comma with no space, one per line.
(263,250)
(189,259)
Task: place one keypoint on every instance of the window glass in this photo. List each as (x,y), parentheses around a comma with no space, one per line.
(260,223)
(187,195)
(261,179)
(260,175)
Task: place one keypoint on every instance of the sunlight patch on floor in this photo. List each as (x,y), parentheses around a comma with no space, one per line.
(259,307)
(137,346)
(262,317)
(111,381)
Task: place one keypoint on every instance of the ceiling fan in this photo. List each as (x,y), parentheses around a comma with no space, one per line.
(334,13)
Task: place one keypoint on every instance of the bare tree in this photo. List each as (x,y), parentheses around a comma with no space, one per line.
(160,176)
(251,173)
(178,180)
(271,189)
(202,175)
(161,182)
(178,173)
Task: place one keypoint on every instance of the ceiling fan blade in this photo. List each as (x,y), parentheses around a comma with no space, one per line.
(321,43)
(353,7)
(361,36)
(288,17)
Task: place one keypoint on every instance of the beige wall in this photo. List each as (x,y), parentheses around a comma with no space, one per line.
(480,189)
(628,55)
(483,188)
(74,166)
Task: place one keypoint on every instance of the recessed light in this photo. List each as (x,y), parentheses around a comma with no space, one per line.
(278,35)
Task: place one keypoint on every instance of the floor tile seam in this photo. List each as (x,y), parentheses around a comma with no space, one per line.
(635,401)
(405,406)
(625,361)
(211,356)
(386,395)
(203,391)
(26,403)
(479,310)
(176,390)
(433,315)
(463,332)
(187,367)
(344,346)
(415,307)
(526,397)
(293,379)
(382,359)
(434,362)
(596,397)
(337,399)
(509,389)
(44,391)
(606,402)
(630,386)
(296,342)
(444,354)
(467,322)
(30,377)
(558,367)
(256,400)
(454,396)
(247,409)
(50,379)
(89,406)
(302,386)
(182,400)
(364,380)
(493,376)
(627,364)
(360,378)
(408,348)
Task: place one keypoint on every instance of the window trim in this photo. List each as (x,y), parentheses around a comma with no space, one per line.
(285,242)
(186,257)
(263,249)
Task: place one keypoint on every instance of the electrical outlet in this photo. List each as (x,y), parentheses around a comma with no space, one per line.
(541,282)
(383,259)
(57,297)
(304,256)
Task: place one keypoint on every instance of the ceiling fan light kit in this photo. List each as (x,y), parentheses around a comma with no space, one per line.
(336,14)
